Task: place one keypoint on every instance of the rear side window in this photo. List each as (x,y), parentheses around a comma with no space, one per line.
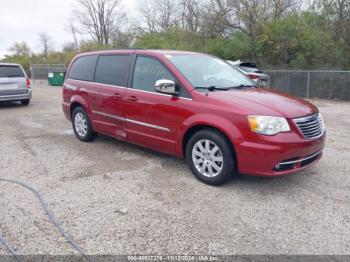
(113,70)
(83,68)
(11,71)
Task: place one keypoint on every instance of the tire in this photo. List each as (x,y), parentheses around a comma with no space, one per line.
(216,166)
(25,102)
(82,125)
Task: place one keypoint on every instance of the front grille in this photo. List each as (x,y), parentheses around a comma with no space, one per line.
(311,126)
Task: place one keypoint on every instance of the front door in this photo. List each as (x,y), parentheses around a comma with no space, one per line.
(151,119)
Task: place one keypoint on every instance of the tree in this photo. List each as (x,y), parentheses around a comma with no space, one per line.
(123,39)
(45,42)
(175,38)
(336,14)
(192,15)
(100,18)
(297,40)
(21,54)
(20,49)
(157,15)
(73,29)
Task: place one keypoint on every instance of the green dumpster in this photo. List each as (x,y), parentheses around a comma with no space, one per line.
(56,78)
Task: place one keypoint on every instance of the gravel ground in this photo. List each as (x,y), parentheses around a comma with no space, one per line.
(116,198)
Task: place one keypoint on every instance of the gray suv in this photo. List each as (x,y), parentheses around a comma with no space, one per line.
(14,84)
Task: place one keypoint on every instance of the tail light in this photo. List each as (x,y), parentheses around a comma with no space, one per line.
(28,82)
(254,77)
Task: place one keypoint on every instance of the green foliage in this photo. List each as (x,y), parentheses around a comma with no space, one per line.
(18,59)
(297,41)
(303,40)
(238,47)
(24,56)
(174,39)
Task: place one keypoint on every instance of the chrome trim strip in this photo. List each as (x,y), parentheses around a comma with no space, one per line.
(132,121)
(307,118)
(299,160)
(148,125)
(108,115)
(184,98)
(123,87)
(142,91)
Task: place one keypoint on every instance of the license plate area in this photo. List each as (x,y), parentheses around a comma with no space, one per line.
(8,86)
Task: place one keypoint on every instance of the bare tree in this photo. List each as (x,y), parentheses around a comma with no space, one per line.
(158,15)
(100,18)
(247,16)
(192,15)
(337,15)
(45,42)
(73,29)
(123,39)
(20,49)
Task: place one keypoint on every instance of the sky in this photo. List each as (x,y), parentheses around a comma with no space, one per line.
(24,20)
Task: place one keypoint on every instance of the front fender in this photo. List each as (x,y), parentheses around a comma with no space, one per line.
(220,123)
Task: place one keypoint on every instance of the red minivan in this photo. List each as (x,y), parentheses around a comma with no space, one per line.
(193,106)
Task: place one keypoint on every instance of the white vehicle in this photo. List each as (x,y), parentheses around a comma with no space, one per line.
(252,71)
(14,84)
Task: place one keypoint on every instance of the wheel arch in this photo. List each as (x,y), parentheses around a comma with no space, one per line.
(78,101)
(206,126)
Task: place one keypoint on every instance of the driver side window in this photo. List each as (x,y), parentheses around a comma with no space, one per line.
(147,72)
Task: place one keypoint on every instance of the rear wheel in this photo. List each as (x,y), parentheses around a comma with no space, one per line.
(25,102)
(82,126)
(210,157)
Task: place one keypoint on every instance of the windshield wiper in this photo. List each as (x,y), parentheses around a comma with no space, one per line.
(212,88)
(242,86)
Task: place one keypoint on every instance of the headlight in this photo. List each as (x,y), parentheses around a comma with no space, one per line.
(268,125)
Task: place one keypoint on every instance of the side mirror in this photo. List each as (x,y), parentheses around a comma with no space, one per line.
(168,87)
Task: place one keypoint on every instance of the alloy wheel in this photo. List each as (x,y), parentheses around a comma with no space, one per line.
(80,124)
(207,158)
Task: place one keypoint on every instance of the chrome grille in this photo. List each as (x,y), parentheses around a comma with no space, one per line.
(311,126)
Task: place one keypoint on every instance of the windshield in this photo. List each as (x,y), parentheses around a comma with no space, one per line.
(207,71)
(11,71)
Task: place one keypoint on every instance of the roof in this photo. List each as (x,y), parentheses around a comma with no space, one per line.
(142,51)
(9,64)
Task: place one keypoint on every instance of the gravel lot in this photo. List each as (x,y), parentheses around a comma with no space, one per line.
(116,198)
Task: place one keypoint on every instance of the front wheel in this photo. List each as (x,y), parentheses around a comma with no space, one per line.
(211,157)
(82,126)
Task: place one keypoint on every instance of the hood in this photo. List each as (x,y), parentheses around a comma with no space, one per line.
(265,101)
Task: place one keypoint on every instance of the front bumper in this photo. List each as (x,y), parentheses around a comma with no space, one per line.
(273,158)
(16,97)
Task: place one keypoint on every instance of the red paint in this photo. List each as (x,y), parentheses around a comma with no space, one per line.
(225,111)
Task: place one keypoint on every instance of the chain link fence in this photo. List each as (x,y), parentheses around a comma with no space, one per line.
(41,72)
(332,85)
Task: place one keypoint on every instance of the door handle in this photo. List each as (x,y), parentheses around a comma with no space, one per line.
(117,95)
(132,98)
